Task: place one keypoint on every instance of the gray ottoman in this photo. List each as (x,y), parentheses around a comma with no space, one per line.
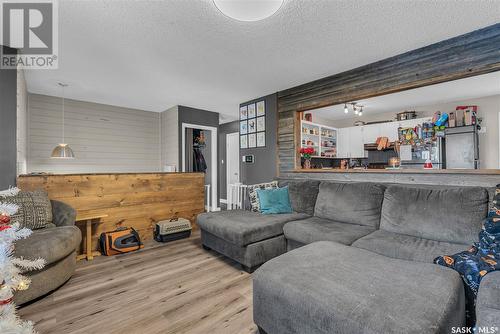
(326,287)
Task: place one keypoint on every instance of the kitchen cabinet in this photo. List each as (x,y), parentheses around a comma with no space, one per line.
(343,143)
(374,131)
(356,145)
(350,142)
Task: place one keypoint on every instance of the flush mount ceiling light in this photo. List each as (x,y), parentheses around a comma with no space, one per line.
(248,10)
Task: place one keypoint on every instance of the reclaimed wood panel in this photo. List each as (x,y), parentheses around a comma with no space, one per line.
(137,200)
(464,56)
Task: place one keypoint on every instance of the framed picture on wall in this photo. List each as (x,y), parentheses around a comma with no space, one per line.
(252,125)
(243,127)
(261,123)
(261,108)
(251,110)
(243,112)
(252,140)
(244,141)
(261,139)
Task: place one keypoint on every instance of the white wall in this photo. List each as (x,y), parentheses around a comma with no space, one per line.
(170,137)
(488,109)
(22,123)
(104,138)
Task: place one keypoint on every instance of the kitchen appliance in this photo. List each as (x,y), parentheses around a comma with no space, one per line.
(416,156)
(462,147)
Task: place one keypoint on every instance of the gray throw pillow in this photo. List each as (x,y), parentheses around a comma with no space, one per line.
(252,193)
(35,209)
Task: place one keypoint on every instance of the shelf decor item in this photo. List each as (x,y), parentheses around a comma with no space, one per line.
(307,153)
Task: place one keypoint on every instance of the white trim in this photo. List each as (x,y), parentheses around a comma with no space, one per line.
(214,134)
(223,200)
(237,134)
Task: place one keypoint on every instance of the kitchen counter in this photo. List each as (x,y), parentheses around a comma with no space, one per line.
(445,177)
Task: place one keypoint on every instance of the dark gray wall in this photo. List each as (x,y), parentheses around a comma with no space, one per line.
(199,117)
(224,129)
(8,127)
(264,169)
(195,116)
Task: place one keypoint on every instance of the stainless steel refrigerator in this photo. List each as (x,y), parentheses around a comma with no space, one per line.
(432,150)
(462,147)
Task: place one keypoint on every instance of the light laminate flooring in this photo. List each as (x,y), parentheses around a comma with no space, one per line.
(166,288)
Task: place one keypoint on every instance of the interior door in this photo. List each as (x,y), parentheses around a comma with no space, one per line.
(232,159)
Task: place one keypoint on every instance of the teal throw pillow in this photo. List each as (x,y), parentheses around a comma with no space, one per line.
(274,200)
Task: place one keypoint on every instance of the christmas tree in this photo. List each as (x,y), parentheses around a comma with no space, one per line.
(11,279)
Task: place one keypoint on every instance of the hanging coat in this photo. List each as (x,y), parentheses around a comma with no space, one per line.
(199,163)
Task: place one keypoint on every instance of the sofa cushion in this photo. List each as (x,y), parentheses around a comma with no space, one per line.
(319,229)
(274,201)
(488,301)
(35,209)
(326,287)
(252,193)
(242,227)
(353,203)
(407,247)
(446,214)
(51,244)
(303,194)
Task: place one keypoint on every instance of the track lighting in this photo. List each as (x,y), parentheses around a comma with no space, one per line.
(357,108)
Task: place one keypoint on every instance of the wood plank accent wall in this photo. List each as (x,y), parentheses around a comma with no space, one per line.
(467,55)
(105,139)
(131,200)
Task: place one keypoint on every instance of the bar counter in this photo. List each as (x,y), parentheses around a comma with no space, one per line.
(445,177)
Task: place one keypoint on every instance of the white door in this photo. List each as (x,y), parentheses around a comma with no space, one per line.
(232,159)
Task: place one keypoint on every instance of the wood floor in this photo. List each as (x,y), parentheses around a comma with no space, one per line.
(173,288)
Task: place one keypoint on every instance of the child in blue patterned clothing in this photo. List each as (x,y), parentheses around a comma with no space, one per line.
(480,259)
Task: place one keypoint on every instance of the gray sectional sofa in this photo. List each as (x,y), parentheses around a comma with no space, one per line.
(360,258)
(57,244)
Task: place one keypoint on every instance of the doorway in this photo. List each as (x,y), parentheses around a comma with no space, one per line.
(199,154)
(232,160)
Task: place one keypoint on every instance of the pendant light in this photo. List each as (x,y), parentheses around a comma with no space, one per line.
(248,10)
(62,151)
(346,110)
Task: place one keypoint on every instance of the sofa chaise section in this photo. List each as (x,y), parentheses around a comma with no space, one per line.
(247,237)
(251,238)
(326,287)
(344,212)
